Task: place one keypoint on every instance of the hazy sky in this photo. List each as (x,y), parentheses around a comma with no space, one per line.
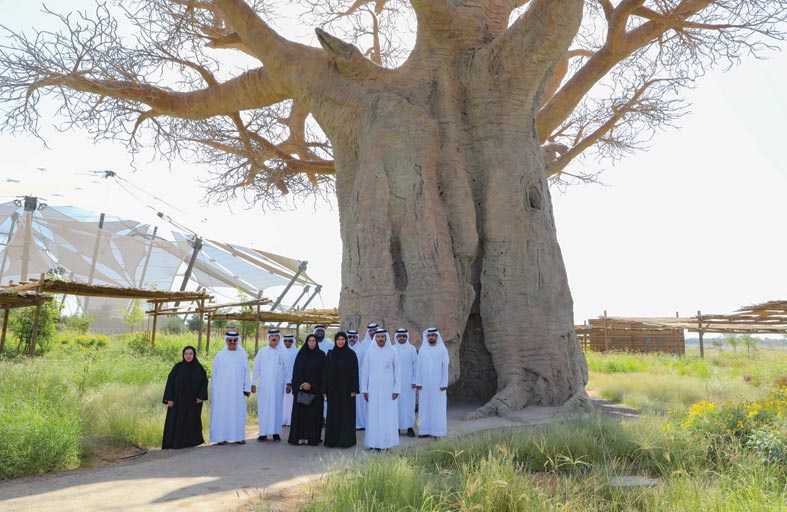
(694,223)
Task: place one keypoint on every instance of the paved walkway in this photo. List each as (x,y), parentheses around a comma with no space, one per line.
(215,478)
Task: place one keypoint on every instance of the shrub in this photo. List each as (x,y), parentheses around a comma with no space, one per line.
(21,323)
(76,323)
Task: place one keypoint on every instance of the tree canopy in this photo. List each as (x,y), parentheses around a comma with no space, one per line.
(211,83)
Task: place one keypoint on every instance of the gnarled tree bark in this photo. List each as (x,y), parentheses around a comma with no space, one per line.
(446,216)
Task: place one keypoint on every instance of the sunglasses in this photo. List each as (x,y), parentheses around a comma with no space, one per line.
(232,341)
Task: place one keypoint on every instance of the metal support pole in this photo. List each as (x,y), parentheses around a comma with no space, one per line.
(14,221)
(31,203)
(301,269)
(94,260)
(304,292)
(316,291)
(147,258)
(197,245)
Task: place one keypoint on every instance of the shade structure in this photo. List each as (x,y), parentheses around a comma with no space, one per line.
(87,246)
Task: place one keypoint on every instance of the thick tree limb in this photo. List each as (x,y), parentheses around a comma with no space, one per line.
(539,37)
(252,89)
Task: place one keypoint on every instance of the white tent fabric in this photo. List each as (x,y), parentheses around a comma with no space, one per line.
(64,239)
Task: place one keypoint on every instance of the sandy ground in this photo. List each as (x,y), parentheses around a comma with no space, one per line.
(214,478)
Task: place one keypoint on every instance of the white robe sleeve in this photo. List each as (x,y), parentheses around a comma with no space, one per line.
(397,377)
(413,365)
(365,375)
(418,376)
(246,377)
(444,368)
(255,374)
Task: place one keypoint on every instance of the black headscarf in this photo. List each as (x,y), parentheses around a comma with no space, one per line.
(187,379)
(308,366)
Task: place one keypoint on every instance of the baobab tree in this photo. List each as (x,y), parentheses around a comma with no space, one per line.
(440,147)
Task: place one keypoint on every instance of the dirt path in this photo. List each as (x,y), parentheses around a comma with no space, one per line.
(215,478)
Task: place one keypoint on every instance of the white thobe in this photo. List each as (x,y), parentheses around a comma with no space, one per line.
(229,380)
(431,375)
(380,379)
(408,359)
(325,345)
(286,408)
(360,402)
(270,367)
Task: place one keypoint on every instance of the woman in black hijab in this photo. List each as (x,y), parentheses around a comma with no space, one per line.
(187,388)
(339,387)
(306,424)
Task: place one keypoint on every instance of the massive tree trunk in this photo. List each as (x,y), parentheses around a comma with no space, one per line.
(446,216)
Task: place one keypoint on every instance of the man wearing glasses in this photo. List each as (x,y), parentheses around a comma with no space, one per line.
(230,384)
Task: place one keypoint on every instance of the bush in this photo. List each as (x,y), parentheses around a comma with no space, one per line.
(67,341)
(76,323)
(21,323)
(172,325)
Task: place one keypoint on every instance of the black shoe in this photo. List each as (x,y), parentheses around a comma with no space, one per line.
(276,438)
(410,432)
(422,436)
(241,442)
(262,439)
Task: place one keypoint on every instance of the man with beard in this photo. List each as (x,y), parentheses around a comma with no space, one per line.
(230,385)
(269,373)
(292,352)
(408,359)
(432,382)
(324,344)
(381,387)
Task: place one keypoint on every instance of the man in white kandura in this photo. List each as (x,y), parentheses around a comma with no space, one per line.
(408,360)
(292,352)
(431,380)
(230,384)
(324,344)
(368,338)
(268,380)
(360,403)
(381,387)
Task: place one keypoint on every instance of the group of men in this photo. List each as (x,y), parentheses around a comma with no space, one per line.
(391,376)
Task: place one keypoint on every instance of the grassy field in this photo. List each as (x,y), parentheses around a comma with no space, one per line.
(86,397)
(713,436)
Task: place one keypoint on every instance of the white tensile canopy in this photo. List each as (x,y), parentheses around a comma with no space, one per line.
(83,245)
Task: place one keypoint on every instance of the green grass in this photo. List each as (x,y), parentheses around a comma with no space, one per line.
(59,411)
(702,457)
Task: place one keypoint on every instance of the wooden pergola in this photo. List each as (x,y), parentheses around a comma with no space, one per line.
(327,317)
(766,318)
(36,292)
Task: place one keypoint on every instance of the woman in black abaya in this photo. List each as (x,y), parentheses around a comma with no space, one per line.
(306,424)
(186,389)
(339,387)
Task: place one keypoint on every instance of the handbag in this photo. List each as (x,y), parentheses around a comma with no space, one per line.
(304,398)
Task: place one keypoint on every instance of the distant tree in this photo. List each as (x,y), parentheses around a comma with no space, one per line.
(193,323)
(750,342)
(733,341)
(172,325)
(76,323)
(133,315)
(717,343)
